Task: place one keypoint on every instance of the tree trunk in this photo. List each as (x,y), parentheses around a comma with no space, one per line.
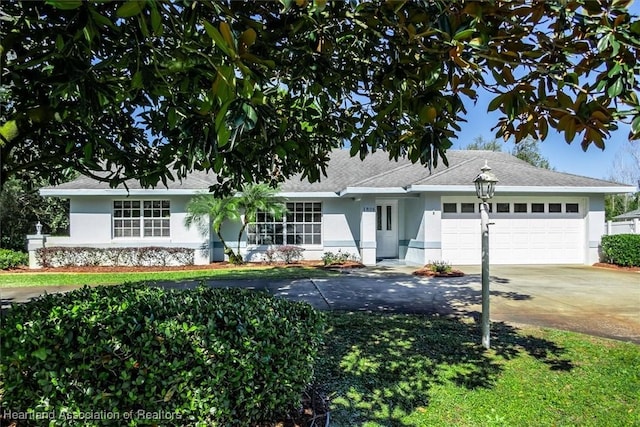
(233,258)
(242,228)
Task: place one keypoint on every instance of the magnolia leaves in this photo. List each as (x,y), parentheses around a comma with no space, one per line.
(159,89)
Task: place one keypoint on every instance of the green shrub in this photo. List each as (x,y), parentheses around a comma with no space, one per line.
(197,357)
(439,266)
(621,249)
(339,257)
(12,259)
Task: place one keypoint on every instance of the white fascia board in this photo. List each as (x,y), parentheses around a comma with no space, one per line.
(166,192)
(62,192)
(521,189)
(308,194)
(372,190)
(441,188)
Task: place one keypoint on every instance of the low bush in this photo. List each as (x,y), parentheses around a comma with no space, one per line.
(12,259)
(621,249)
(439,266)
(143,355)
(287,254)
(290,254)
(149,256)
(339,257)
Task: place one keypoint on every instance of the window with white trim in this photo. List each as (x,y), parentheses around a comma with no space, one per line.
(302,225)
(141,218)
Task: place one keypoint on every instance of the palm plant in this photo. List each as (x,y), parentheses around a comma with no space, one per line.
(205,210)
(259,198)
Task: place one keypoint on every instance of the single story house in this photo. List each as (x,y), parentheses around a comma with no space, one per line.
(373,209)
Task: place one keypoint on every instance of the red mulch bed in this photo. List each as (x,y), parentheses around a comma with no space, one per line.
(212,266)
(427,272)
(616,267)
(126,269)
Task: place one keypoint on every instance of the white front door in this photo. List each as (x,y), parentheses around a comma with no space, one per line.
(387,229)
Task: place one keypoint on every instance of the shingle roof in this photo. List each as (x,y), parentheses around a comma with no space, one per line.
(377,171)
(195,181)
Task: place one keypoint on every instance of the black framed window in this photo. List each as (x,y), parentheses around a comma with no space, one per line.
(449,207)
(503,207)
(537,207)
(520,208)
(571,208)
(555,207)
(467,207)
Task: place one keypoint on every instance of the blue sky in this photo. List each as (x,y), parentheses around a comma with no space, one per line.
(563,157)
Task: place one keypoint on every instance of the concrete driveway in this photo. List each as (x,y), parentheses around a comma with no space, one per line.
(584,299)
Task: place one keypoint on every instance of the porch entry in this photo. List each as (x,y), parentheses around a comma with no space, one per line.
(387,228)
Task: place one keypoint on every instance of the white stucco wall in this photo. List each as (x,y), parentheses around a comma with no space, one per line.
(340,232)
(90,220)
(425,242)
(420,227)
(596,228)
(91,225)
(340,226)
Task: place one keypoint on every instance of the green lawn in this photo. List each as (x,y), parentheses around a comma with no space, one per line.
(408,370)
(401,370)
(8,280)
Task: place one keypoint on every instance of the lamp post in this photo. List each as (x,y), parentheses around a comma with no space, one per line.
(485,187)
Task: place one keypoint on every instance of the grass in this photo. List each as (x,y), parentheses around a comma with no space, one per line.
(405,370)
(408,370)
(12,280)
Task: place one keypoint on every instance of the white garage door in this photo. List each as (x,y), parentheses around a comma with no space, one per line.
(531,239)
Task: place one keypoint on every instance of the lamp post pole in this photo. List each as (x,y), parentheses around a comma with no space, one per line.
(484,226)
(485,186)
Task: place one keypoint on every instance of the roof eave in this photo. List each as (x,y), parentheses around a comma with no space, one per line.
(353,191)
(522,189)
(308,194)
(68,192)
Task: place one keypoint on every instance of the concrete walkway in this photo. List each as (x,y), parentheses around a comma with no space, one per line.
(584,299)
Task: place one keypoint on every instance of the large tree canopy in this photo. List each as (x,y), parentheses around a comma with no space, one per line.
(258,91)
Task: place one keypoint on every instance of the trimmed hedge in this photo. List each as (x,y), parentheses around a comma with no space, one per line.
(12,259)
(58,256)
(139,355)
(621,249)
(288,254)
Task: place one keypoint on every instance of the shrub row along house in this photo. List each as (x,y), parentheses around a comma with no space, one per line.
(373,209)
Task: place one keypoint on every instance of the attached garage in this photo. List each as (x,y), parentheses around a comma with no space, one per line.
(524,231)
